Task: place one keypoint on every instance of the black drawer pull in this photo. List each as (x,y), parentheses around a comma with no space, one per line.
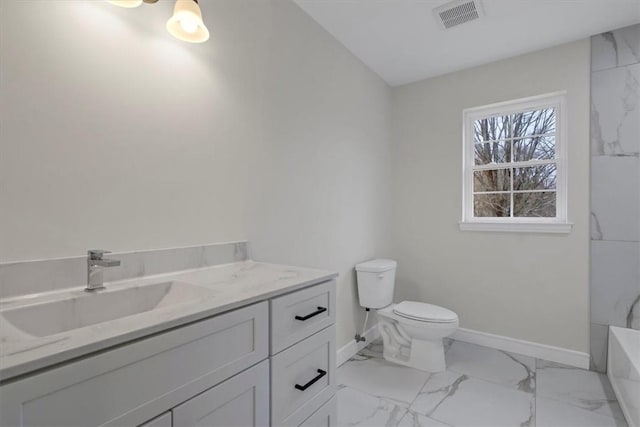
(321,374)
(310,315)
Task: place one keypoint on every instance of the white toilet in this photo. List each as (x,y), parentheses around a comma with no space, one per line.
(412,332)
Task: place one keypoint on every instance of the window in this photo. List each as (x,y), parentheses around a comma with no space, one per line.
(514,166)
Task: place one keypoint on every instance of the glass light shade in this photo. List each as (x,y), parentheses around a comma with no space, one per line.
(186,23)
(126,3)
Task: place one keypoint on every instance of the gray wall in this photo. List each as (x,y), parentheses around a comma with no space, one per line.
(532,287)
(615,185)
(115,135)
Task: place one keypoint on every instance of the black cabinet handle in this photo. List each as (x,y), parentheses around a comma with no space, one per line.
(310,315)
(321,374)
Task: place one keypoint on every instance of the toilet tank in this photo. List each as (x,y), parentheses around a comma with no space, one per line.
(376,280)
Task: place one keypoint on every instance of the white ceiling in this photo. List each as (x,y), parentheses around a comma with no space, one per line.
(402,42)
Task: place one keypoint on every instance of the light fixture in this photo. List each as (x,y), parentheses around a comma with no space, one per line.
(186,23)
(126,3)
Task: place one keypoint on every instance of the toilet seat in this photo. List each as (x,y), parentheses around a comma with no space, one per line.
(424,312)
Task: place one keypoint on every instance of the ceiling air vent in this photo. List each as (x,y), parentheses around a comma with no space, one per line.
(457,12)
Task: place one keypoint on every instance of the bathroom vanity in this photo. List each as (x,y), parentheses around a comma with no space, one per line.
(242,344)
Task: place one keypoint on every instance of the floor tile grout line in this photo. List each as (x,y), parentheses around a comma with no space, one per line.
(535,393)
(438,420)
(502,385)
(534,370)
(430,374)
(494,349)
(535,400)
(510,387)
(421,388)
(535,359)
(563,402)
(430,416)
(402,418)
(396,402)
(511,353)
(416,397)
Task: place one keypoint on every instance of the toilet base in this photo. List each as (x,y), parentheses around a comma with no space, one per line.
(426,356)
(400,348)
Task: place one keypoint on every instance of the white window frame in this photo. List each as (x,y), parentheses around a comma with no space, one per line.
(559,224)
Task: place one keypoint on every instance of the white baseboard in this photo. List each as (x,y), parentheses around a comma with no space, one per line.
(500,342)
(349,350)
(527,348)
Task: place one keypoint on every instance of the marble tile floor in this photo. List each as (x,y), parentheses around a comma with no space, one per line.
(481,387)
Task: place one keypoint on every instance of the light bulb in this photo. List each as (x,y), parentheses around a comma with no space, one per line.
(186,23)
(189,26)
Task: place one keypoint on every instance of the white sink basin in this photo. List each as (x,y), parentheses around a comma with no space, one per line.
(89,308)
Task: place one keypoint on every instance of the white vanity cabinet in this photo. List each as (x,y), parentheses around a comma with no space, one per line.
(241,401)
(133,383)
(326,416)
(218,371)
(300,314)
(302,353)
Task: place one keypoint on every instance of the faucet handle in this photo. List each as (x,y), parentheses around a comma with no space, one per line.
(96,254)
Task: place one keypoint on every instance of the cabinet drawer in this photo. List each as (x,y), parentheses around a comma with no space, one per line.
(141,379)
(326,416)
(241,401)
(300,314)
(303,378)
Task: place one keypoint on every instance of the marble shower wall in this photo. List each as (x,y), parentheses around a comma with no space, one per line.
(615,186)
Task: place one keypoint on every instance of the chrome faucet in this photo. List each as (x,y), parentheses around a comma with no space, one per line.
(95,265)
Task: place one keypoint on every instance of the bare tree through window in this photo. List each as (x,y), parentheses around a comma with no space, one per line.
(515,171)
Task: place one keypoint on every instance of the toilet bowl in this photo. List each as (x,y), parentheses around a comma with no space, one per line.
(412,332)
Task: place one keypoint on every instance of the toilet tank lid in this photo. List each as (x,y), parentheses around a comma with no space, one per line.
(377,265)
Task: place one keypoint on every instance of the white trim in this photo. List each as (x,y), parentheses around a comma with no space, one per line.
(625,396)
(513,165)
(624,404)
(528,348)
(350,349)
(518,227)
(498,107)
(500,342)
(560,224)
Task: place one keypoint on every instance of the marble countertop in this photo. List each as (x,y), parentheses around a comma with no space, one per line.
(227,286)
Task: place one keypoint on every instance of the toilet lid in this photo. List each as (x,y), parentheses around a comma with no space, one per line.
(424,312)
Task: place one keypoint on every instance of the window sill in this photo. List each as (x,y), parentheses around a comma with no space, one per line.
(518,227)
